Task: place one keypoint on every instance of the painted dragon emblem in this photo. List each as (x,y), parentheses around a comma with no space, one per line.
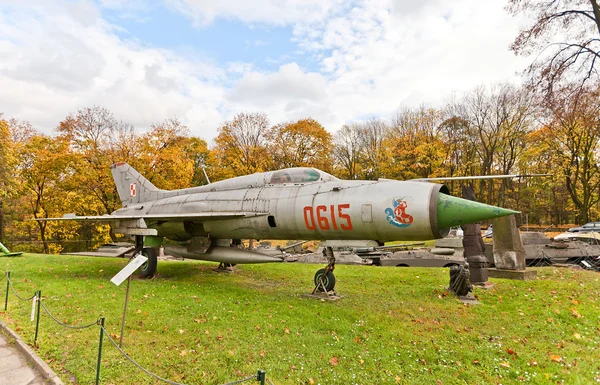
(397,216)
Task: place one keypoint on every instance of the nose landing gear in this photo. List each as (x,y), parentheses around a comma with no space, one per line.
(324,278)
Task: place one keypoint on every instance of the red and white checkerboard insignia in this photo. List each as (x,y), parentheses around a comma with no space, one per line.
(132,190)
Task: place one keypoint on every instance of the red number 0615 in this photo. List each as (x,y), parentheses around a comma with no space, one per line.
(327,217)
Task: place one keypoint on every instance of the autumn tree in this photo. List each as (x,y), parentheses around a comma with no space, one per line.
(163,160)
(564,37)
(196,150)
(44,165)
(544,200)
(93,133)
(572,134)
(372,135)
(347,152)
(459,152)
(7,162)
(415,145)
(496,121)
(304,143)
(241,145)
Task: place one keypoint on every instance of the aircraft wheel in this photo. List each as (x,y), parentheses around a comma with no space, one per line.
(148,269)
(328,280)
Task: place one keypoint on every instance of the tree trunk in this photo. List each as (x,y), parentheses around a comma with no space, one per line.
(43,237)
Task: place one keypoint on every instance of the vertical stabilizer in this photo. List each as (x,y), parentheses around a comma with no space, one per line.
(132,186)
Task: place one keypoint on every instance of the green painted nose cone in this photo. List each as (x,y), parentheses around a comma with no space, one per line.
(454,211)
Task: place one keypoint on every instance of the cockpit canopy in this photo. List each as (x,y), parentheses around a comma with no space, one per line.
(296,175)
(289,176)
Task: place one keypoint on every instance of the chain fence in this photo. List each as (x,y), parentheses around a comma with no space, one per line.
(37,299)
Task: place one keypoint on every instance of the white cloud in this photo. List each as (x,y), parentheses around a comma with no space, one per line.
(288,94)
(372,56)
(54,62)
(381,54)
(275,12)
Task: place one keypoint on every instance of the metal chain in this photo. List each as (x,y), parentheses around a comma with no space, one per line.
(14,291)
(242,380)
(63,324)
(154,375)
(270,382)
(4,276)
(135,363)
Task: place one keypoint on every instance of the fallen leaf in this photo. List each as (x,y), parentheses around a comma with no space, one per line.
(333,361)
(575,313)
(476,362)
(533,363)
(287,331)
(181,331)
(311,381)
(262,353)
(511,351)
(183,353)
(577,335)
(138,311)
(555,358)
(220,338)
(505,364)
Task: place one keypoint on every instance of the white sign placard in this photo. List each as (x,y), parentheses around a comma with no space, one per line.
(132,266)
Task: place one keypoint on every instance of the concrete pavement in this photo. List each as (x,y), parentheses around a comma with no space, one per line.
(19,365)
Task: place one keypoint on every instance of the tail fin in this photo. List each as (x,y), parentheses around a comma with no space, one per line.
(132,186)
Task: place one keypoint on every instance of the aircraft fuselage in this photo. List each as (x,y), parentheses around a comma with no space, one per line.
(339,209)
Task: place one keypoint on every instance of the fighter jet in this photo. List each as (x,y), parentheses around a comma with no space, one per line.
(294,203)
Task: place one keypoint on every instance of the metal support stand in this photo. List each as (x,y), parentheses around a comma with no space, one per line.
(37,316)
(7,288)
(100,351)
(124,312)
(139,246)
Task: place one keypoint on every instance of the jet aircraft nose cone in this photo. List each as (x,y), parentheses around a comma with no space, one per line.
(454,211)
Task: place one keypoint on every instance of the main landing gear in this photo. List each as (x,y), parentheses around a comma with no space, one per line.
(148,269)
(324,278)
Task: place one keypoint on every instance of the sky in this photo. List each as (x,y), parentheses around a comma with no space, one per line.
(204,61)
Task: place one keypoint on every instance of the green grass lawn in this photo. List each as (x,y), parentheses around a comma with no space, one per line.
(394,325)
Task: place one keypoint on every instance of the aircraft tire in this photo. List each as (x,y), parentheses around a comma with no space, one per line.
(148,269)
(328,280)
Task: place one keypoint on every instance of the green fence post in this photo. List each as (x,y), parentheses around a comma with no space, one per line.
(37,320)
(262,375)
(7,288)
(100,350)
